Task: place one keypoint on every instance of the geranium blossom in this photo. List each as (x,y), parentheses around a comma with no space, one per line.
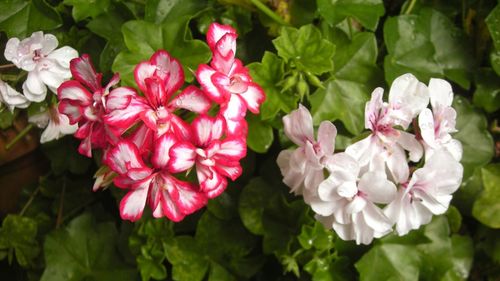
(407,98)
(46,65)
(348,199)
(83,100)
(302,168)
(56,124)
(159,79)
(214,158)
(436,125)
(227,82)
(166,195)
(12,98)
(428,192)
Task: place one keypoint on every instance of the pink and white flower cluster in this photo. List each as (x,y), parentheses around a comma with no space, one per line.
(383,180)
(149,145)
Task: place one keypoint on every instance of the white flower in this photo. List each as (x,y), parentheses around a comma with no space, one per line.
(302,168)
(46,65)
(56,125)
(436,125)
(349,199)
(11,97)
(407,98)
(427,193)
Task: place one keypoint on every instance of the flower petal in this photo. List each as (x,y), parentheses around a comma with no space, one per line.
(119,98)
(440,92)
(192,99)
(132,204)
(298,126)
(83,71)
(215,33)
(182,157)
(74,91)
(162,147)
(204,77)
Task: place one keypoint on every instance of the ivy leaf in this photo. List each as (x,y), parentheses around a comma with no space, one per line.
(487,94)
(427,45)
(486,208)
(366,12)
(188,263)
(252,203)
(495,61)
(260,134)
(151,268)
(315,236)
(83,9)
(19,234)
(346,94)
(84,250)
(477,143)
(306,48)
(493,23)
(268,74)
(20,18)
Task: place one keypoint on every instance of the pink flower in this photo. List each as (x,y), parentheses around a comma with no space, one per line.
(407,98)
(428,192)
(166,195)
(302,168)
(159,79)
(83,100)
(436,125)
(214,158)
(227,82)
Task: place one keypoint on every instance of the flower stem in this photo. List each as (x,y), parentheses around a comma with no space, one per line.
(410,7)
(7,65)
(61,205)
(28,203)
(270,13)
(21,135)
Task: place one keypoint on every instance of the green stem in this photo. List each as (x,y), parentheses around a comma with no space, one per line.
(61,205)
(21,135)
(270,13)
(28,203)
(7,65)
(349,24)
(410,7)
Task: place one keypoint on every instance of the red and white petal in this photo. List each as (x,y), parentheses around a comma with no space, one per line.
(137,174)
(204,77)
(85,147)
(253,97)
(236,128)
(142,71)
(119,98)
(83,71)
(150,119)
(170,208)
(169,70)
(74,112)
(206,129)
(124,118)
(192,99)
(124,156)
(211,182)
(182,157)
(232,148)
(231,169)
(155,92)
(215,33)
(189,198)
(162,147)
(143,139)
(74,91)
(132,204)
(235,109)
(180,128)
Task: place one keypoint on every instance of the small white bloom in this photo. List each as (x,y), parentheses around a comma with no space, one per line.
(56,125)
(46,65)
(427,193)
(12,98)
(436,125)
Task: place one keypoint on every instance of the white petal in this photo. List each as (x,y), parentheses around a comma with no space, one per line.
(298,126)
(410,143)
(377,188)
(440,92)
(408,94)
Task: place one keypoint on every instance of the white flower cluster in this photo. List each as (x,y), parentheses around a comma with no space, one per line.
(369,188)
(47,67)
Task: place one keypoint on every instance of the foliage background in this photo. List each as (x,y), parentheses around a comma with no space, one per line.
(326,54)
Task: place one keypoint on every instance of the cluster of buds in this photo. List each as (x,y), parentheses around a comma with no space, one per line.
(373,186)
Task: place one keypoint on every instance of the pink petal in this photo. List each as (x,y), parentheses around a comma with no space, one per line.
(192,99)
(162,147)
(132,204)
(372,109)
(327,133)
(119,98)
(215,33)
(155,92)
(298,126)
(182,157)
(83,70)
(85,147)
(169,70)
(204,77)
(74,91)
(253,97)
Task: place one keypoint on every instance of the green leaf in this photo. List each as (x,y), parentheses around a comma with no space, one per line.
(477,143)
(252,203)
(188,263)
(487,206)
(268,74)
(316,236)
(6,118)
(345,95)
(64,156)
(150,268)
(20,18)
(367,12)
(306,48)
(87,8)
(495,61)
(487,94)
(19,234)
(260,134)
(493,23)
(84,250)
(427,45)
